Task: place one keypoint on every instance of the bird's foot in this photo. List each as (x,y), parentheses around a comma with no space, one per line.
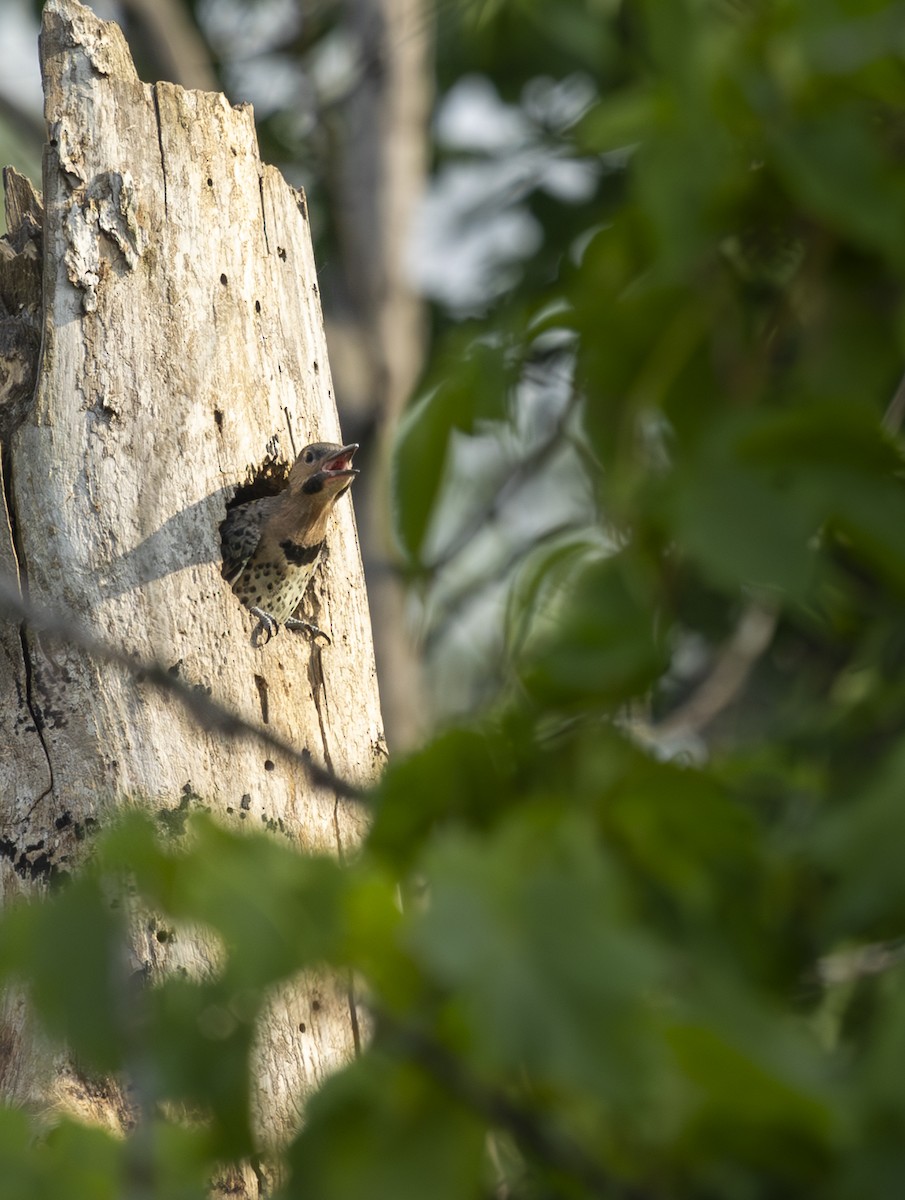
(266,624)
(297,625)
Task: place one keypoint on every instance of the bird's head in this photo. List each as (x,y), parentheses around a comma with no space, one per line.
(324,469)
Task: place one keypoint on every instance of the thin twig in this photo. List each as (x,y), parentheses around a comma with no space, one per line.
(751,638)
(846,966)
(472,590)
(208,713)
(734,663)
(895,413)
(535,1137)
(521,473)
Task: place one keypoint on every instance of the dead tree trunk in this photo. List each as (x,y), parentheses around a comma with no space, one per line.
(182,356)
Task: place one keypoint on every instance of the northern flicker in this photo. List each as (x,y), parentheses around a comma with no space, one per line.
(271,546)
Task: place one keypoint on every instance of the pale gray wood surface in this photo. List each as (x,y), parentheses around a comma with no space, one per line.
(183,346)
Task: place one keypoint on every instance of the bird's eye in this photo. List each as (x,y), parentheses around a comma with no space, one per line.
(309,457)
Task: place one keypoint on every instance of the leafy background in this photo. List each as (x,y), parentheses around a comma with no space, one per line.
(651,513)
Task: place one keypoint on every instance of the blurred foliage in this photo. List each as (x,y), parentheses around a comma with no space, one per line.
(649,947)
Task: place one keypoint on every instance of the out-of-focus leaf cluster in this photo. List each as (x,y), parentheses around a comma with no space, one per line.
(634,930)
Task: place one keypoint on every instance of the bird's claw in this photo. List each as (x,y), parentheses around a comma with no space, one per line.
(297,625)
(266,624)
(270,626)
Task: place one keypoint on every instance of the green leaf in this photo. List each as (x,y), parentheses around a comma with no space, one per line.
(617,122)
(84,1163)
(594,642)
(858,841)
(199,1037)
(475,389)
(834,165)
(384,1130)
(828,434)
(70,951)
(751,1103)
(530,932)
(461,776)
(77,1161)
(213,878)
(680,832)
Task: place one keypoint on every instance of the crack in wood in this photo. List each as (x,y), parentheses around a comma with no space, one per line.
(261,685)
(155,96)
(34,710)
(263,213)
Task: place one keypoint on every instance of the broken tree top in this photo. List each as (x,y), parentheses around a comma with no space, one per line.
(183,354)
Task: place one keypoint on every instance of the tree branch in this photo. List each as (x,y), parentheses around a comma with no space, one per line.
(208,713)
(521,473)
(849,965)
(725,682)
(892,418)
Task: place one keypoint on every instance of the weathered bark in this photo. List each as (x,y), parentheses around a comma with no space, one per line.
(182,355)
(20,300)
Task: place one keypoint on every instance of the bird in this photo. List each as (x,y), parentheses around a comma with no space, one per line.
(272,545)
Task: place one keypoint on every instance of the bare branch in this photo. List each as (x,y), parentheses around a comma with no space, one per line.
(208,713)
(862,962)
(734,663)
(522,472)
(895,413)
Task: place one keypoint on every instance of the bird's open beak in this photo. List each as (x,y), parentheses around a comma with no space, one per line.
(340,464)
